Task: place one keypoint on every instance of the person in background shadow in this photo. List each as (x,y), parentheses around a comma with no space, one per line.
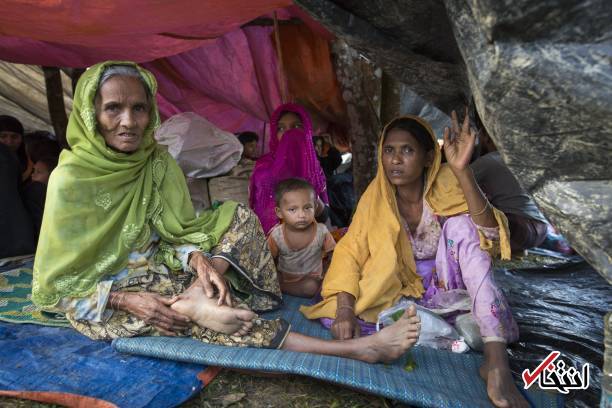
(11,135)
(246,165)
(528,227)
(43,168)
(329,157)
(249,143)
(28,194)
(17,232)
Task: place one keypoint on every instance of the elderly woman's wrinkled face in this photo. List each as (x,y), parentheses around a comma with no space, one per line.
(288,121)
(11,139)
(122,113)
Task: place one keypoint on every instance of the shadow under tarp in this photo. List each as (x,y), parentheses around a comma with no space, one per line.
(440,379)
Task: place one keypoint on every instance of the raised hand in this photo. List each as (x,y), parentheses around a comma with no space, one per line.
(459,143)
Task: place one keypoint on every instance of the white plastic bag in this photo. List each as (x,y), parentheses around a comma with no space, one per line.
(467,327)
(435,331)
(201,149)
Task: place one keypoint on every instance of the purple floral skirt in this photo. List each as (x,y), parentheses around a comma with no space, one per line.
(461,266)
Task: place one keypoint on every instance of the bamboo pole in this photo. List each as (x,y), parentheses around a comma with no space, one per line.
(281,66)
(55,101)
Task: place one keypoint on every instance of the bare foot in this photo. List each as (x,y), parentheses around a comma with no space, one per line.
(205,312)
(496,373)
(393,341)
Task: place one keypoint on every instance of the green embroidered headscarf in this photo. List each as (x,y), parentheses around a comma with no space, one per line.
(101,204)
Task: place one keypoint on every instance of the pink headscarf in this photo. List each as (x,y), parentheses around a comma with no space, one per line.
(293,156)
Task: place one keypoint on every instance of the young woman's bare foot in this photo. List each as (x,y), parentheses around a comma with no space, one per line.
(205,312)
(392,342)
(496,373)
(387,345)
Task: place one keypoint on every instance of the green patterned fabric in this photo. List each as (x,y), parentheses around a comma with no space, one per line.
(15,297)
(102,203)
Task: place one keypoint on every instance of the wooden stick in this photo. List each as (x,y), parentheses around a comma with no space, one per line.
(281,66)
(55,100)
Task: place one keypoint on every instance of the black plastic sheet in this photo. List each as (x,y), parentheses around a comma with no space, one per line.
(559,309)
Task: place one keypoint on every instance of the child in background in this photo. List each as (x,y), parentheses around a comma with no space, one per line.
(299,244)
(43,168)
(245,166)
(249,143)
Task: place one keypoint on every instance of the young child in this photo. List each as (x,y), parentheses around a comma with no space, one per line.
(43,168)
(249,142)
(245,166)
(299,244)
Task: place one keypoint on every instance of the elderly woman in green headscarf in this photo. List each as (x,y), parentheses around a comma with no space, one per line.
(122,252)
(120,239)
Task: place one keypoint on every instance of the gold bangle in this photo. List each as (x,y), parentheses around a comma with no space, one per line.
(117,300)
(344,307)
(487,205)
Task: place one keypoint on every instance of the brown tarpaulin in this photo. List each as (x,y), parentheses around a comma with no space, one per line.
(311,77)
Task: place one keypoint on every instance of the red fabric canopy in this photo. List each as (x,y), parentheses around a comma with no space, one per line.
(74,33)
(202,59)
(231,82)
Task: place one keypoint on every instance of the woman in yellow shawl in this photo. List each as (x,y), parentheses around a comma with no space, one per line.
(423,230)
(122,252)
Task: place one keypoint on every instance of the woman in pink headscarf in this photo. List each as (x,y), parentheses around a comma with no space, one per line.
(292,154)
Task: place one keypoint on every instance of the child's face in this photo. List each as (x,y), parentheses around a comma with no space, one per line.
(40,173)
(297,209)
(250,150)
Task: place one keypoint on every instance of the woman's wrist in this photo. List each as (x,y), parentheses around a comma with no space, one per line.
(486,206)
(462,174)
(116,300)
(345,304)
(345,308)
(345,313)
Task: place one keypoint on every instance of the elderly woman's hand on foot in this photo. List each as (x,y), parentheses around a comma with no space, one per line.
(210,278)
(153,309)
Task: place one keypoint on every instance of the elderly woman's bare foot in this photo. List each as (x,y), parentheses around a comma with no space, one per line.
(205,312)
(393,341)
(496,373)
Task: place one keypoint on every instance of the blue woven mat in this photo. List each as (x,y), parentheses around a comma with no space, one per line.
(440,379)
(37,358)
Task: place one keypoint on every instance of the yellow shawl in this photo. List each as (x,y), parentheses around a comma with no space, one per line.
(374,260)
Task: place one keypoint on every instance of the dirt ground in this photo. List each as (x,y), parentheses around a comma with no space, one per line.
(237,389)
(280,391)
